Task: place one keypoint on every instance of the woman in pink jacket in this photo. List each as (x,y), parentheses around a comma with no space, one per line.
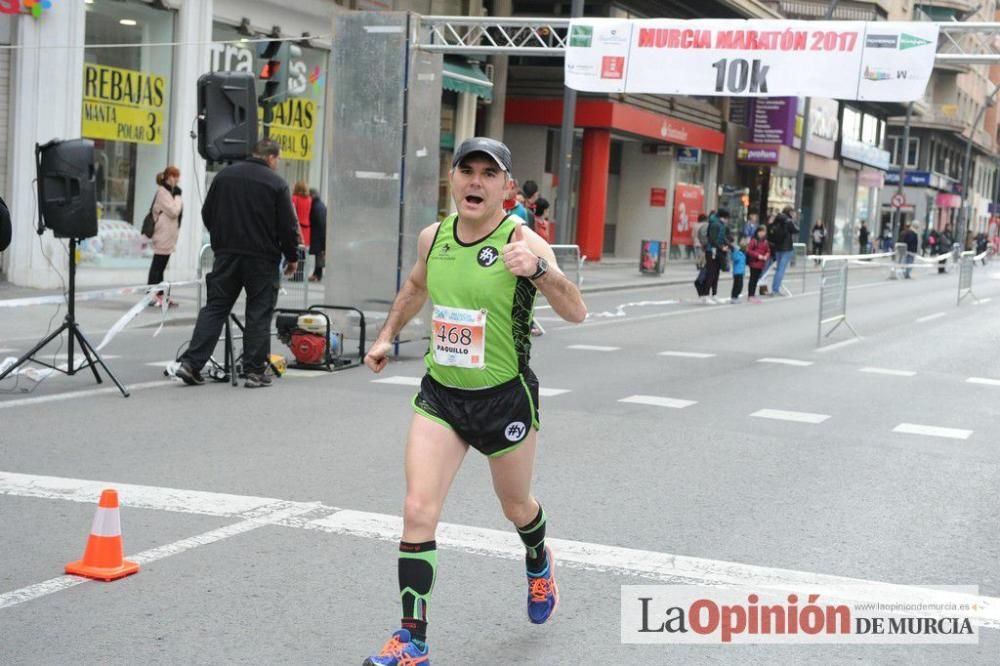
(758,251)
(167,208)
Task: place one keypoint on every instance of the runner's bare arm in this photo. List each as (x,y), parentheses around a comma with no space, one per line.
(405,306)
(521,257)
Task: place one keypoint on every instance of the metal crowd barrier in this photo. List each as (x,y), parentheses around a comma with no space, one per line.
(570,262)
(833,298)
(966,264)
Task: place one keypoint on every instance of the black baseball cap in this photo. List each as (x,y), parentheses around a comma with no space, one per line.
(496,150)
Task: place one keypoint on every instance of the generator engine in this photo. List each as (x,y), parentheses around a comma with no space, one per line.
(306,336)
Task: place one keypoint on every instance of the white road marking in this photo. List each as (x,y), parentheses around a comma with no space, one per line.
(295,373)
(550,392)
(160,364)
(784,361)
(983,301)
(680,354)
(594,348)
(60,583)
(932,431)
(402,380)
(22,402)
(983,380)
(838,345)
(887,371)
(502,544)
(784,415)
(4,351)
(659,401)
(931,317)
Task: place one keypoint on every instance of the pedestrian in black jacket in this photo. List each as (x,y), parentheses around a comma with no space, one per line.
(248,213)
(317,246)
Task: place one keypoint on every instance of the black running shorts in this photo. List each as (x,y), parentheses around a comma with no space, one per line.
(493,420)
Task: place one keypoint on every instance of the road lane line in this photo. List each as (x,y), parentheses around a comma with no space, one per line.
(785,415)
(932,431)
(658,401)
(503,544)
(983,301)
(22,402)
(784,361)
(838,345)
(279,512)
(887,371)
(550,392)
(402,380)
(983,380)
(931,317)
(681,354)
(594,348)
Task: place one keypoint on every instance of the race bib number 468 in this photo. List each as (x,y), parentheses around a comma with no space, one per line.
(459,338)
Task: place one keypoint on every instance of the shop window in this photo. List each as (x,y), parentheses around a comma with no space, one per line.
(126,112)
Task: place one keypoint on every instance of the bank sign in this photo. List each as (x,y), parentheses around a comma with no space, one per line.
(123,104)
(760,58)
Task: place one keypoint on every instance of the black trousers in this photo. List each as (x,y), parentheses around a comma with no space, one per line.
(157,267)
(754,277)
(737,286)
(232,273)
(712,267)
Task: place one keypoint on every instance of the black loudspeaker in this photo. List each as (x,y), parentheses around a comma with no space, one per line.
(227,116)
(5,230)
(67,193)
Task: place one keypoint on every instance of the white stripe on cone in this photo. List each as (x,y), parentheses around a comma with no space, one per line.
(107,523)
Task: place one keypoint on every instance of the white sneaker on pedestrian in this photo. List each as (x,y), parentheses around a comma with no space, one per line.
(734,300)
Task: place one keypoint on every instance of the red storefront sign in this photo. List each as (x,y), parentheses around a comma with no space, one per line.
(658,197)
(689,203)
(615,116)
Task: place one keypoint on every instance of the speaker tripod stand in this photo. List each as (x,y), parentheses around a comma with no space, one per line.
(74,335)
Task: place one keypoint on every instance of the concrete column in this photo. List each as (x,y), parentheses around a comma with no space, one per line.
(191,60)
(593,196)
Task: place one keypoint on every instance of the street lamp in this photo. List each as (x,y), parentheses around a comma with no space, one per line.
(963,220)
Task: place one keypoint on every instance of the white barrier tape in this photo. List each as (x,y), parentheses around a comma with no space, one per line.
(848,257)
(93,295)
(938,260)
(39,374)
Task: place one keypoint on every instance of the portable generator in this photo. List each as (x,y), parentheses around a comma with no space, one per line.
(313,341)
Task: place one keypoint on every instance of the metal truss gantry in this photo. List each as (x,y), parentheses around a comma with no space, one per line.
(960,43)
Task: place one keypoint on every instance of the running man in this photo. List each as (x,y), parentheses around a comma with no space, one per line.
(482,269)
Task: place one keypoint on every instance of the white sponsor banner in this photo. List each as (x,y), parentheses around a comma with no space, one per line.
(840,59)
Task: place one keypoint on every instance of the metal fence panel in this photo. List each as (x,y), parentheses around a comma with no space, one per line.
(832,297)
(570,262)
(965,268)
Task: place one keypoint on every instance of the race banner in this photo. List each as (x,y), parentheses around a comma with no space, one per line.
(123,104)
(890,61)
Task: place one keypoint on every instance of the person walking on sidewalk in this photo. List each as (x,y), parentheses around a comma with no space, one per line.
(758,252)
(481,268)
(912,240)
(248,213)
(168,207)
(818,239)
(317,228)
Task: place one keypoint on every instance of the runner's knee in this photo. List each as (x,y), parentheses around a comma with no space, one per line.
(519,511)
(420,513)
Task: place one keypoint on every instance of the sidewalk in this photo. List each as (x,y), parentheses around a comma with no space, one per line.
(23,322)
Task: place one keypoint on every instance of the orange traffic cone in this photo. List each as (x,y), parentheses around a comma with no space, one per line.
(104,558)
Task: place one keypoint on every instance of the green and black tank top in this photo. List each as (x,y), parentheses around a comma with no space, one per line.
(481,313)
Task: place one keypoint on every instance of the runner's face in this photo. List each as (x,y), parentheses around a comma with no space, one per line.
(478,186)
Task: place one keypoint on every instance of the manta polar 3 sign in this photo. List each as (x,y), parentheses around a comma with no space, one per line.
(841,59)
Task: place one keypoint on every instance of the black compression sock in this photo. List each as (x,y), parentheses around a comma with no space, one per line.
(533,537)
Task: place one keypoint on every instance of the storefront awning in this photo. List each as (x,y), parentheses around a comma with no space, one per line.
(466,78)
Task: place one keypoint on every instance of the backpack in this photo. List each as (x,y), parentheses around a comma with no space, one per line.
(703,234)
(777,232)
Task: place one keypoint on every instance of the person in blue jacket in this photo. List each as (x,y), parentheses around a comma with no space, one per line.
(739,256)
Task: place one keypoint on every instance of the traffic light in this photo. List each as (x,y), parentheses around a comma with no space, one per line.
(272,58)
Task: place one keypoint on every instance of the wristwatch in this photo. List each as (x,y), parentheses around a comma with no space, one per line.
(542,269)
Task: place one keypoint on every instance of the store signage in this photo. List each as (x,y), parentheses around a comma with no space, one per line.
(943,200)
(760,58)
(777,120)
(293,127)
(750,153)
(689,156)
(865,153)
(915,178)
(123,104)
(773,120)
(658,197)
(689,203)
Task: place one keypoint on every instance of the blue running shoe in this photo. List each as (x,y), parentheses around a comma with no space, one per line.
(543,594)
(399,650)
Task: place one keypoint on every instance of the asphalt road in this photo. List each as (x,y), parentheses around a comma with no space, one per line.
(265,519)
